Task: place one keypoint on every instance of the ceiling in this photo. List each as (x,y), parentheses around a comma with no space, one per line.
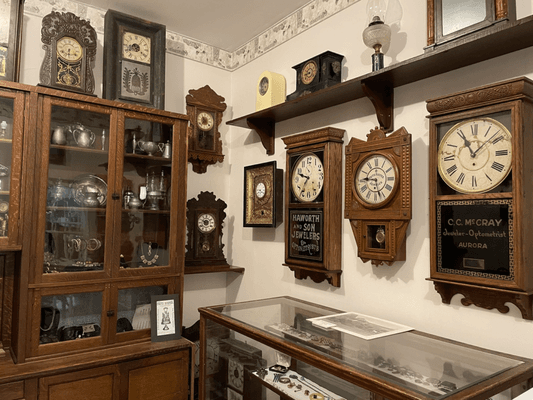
(224,24)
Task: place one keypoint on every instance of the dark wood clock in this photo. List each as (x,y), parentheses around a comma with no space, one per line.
(378,194)
(481,195)
(205,109)
(319,72)
(313,205)
(134,60)
(205,219)
(70,46)
(263,195)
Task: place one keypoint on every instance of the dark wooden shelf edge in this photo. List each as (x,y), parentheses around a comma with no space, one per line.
(500,39)
(206,269)
(485,297)
(317,275)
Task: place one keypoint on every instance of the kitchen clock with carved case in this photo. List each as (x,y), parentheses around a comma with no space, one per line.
(205,220)
(481,195)
(134,60)
(70,46)
(378,194)
(205,109)
(313,205)
(263,195)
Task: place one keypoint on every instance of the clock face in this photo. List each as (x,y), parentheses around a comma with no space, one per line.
(307,179)
(206,223)
(376,180)
(69,49)
(475,156)
(260,190)
(263,86)
(309,71)
(4,206)
(136,47)
(205,121)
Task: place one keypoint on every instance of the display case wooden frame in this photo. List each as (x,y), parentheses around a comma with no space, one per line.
(463,260)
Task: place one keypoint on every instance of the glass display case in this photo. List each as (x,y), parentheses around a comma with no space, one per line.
(271,349)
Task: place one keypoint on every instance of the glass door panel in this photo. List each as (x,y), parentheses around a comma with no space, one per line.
(6,154)
(134,305)
(75,227)
(145,227)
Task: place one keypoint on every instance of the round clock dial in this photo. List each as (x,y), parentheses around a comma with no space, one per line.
(206,223)
(307,177)
(136,47)
(309,71)
(475,156)
(205,121)
(260,190)
(263,86)
(69,49)
(4,206)
(376,180)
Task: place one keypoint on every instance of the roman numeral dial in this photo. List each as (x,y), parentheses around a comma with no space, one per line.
(376,179)
(475,156)
(307,177)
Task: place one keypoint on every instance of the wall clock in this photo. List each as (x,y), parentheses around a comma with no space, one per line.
(70,46)
(205,219)
(313,205)
(481,195)
(11,14)
(205,109)
(319,72)
(270,90)
(378,194)
(450,20)
(263,195)
(134,60)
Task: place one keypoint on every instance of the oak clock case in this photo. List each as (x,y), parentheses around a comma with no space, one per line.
(10,39)
(134,60)
(313,205)
(480,195)
(70,46)
(205,109)
(378,194)
(205,219)
(263,195)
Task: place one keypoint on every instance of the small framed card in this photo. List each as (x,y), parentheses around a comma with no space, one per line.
(165,317)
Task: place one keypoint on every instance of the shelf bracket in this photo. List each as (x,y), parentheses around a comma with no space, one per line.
(266,129)
(381,94)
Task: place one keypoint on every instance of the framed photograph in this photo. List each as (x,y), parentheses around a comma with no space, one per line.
(263,195)
(165,317)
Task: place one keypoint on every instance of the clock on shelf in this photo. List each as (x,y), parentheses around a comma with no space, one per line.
(271,89)
(313,205)
(378,194)
(205,218)
(205,109)
(319,72)
(263,195)
(481,195)
(70,46)
(12,12)
(134,60)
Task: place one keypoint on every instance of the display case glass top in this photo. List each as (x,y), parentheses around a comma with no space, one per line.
(413,363)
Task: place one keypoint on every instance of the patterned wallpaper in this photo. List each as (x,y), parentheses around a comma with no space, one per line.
(306,17)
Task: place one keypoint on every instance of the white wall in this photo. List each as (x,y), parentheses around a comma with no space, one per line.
(401,292)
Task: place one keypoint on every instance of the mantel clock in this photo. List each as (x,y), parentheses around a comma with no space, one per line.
(378,194)
(205,109)
(313,205)
(481,195)
(70,45)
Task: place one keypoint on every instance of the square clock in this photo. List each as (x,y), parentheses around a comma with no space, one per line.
(263,195)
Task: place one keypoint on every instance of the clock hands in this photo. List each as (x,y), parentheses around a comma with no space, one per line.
(467,143)
(483,145)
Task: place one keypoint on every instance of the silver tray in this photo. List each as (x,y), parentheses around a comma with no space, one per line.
(88,183)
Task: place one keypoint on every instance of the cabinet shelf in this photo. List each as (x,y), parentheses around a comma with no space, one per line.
(143,211)
(146,158)
(500,39)
(78,149)
(6,141)
(204,269)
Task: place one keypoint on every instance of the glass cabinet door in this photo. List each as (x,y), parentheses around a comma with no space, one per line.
(76,160)
(11,116)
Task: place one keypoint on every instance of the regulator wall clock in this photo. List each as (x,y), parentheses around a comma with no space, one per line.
(205,218)
(317,73)
(263,195)
(378,194)
(205,109)
(11,13)
(313,205)
(481,195)
(134,60)
(70,45)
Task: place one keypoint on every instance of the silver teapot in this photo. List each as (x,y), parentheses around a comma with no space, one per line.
(150,147)
(83,136)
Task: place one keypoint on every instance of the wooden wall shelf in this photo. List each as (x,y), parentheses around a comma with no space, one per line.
(212,268)
(500,39)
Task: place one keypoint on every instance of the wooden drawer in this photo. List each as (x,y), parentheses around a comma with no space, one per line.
(12,391)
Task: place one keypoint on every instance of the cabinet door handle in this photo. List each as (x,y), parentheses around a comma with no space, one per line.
(110,313)
(115,196)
